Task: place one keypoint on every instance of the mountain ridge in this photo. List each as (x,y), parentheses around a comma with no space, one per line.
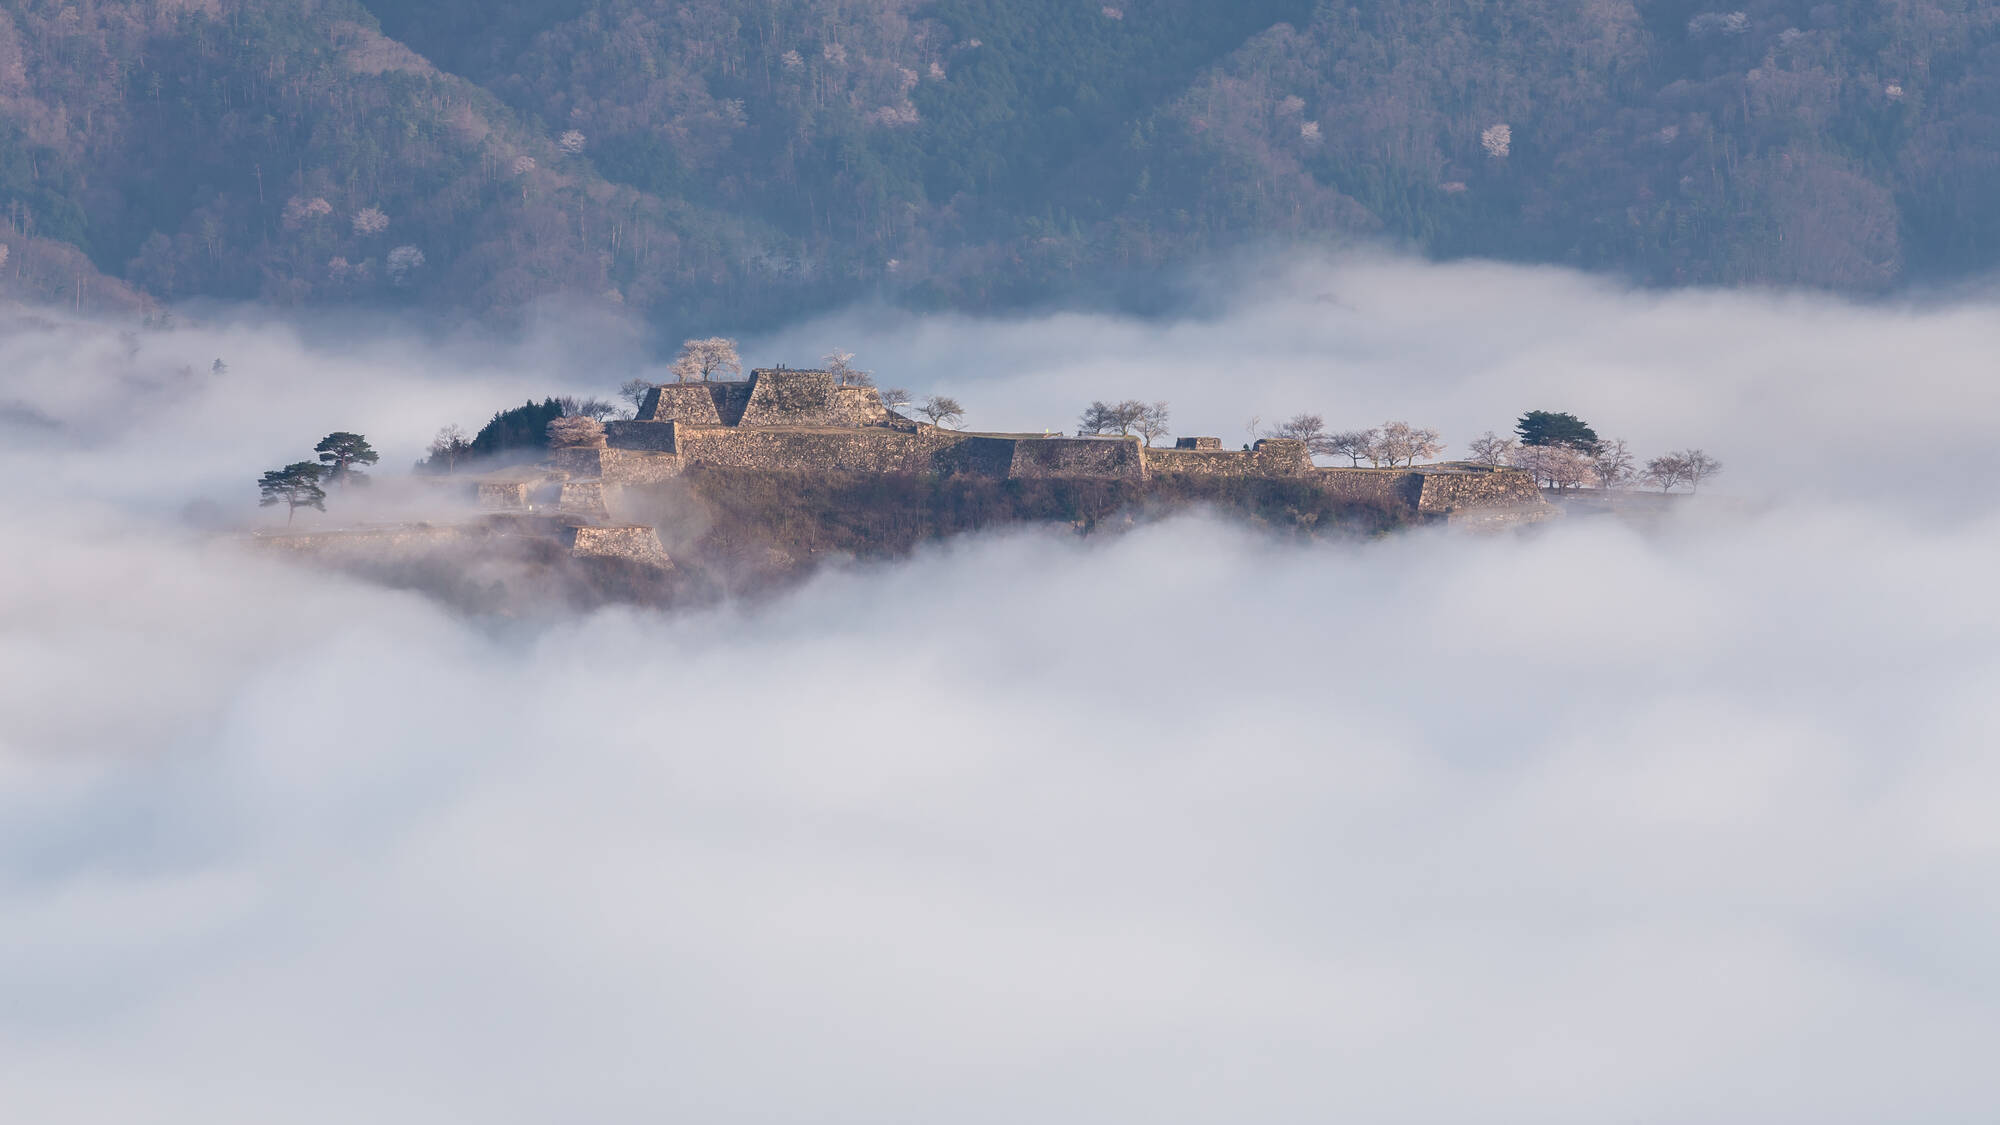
(716,162)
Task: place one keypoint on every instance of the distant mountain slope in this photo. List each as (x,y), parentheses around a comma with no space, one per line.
(730,160)
(285,150)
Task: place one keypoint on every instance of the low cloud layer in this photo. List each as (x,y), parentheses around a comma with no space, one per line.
(1183,825)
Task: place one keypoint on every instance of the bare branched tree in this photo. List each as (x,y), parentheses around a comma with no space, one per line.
(448,446)
(1612,465)
(706,359)
(634,391)
(1096,419)
(1308,428)
(1351,444)
(1490,448)
(895,398)
(1668,470)
(1399,443)
(1700,466)
(942,411)
(597,408)
(1152,422)
(1105,417)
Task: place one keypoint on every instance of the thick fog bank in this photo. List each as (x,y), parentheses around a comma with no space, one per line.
(1181,825)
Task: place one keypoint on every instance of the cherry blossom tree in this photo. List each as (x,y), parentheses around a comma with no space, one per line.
(705,359)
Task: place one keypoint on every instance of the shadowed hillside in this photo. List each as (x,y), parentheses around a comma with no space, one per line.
(704,159)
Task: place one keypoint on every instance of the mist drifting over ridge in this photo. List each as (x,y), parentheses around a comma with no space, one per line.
(1184,824)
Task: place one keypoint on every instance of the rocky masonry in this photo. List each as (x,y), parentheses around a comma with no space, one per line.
(751,481)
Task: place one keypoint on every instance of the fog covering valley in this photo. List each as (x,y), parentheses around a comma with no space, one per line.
(1187,823)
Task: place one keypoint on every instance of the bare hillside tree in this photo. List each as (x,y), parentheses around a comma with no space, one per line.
(895,398)
(1152,422)
(1096,419)
(597,408)
(1122,417)
(1612,465)
(707,359)
(1309,429)
(1668,470)
(1700,466)
(1399,443)
(1351,444)
(448,446)
(942,410)
(634,391)
(1490,448)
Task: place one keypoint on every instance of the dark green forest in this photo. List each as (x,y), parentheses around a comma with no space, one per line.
(732,161)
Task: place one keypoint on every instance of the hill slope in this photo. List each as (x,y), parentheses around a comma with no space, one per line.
(737,159)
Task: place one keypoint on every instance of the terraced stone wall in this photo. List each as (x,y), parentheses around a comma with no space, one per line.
(1102,458)
(1445,492)
(1272,457)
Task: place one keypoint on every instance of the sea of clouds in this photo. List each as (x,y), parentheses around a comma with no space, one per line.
(1184,825)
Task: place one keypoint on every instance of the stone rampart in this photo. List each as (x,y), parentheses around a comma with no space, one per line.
(655,436)
(1449,490)
(1101,458)
(979,455)
(1389,488)
(698,403)
(808,398)
(1272,457)
(637,466)
(632,542)
(871,450)
(770,397)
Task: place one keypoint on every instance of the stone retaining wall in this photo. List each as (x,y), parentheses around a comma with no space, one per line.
(1389,487)
(630,542)
(698,403)
(872,450)
(1272,457)
(1449,491)
(655,436)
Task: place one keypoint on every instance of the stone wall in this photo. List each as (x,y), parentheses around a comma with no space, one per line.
(578,463)
(780,397)
(977,455)
(685,402)
(1103,458)
(656,436)
(1396,488)
(872,450)
(1198,443)
(1272,457)
(632,542)
(637,466)
(1449,490)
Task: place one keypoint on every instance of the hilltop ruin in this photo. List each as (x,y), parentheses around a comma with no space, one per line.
(729,485)
(801,421)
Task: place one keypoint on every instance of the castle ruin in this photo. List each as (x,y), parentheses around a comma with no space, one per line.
(804,421)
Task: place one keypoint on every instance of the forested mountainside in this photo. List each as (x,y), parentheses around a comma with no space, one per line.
(732,160)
